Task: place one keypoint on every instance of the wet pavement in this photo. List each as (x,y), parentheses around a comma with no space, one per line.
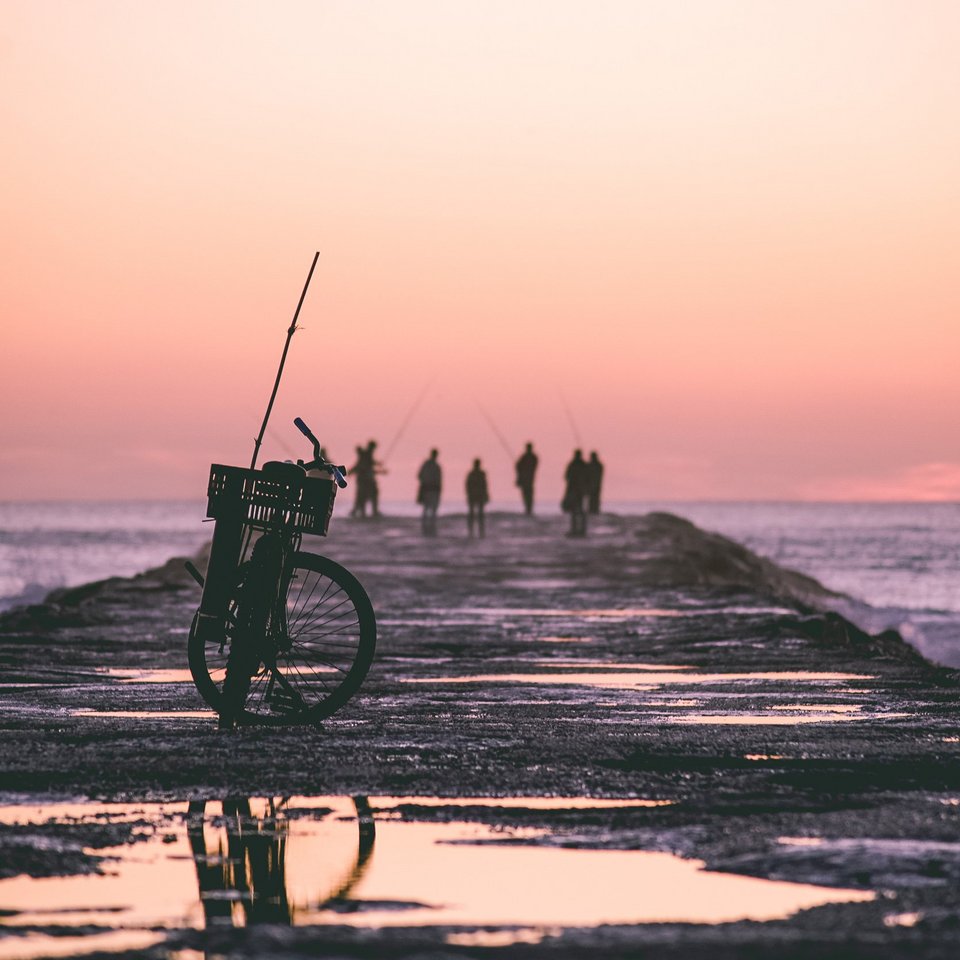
(675,747)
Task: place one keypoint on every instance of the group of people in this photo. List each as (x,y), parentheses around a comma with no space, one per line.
(581,497)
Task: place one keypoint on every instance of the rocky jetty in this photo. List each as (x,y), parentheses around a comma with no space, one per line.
(652,660)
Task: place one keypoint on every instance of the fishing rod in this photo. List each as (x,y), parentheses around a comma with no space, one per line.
(573,425)
(283,360)
(407,419)
(493,427)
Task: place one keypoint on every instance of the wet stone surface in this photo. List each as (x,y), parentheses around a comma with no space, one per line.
(783,744)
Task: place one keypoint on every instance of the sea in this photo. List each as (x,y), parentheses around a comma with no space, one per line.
(903,559)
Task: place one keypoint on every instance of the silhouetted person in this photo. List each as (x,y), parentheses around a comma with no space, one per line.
(526,469)
(365,472)
(478,496)
(376,467)
(576,476)
(428,495)
(361,492)
(594,483)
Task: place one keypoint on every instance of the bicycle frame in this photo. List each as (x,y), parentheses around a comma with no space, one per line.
(257,635)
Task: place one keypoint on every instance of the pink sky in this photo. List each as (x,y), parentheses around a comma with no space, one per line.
(726,230)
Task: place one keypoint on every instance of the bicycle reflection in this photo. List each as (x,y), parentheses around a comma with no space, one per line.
(241,857)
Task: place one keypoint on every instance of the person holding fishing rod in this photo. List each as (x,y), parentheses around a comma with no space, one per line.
(366,470)
(428,494)
(526,468)
(577,477)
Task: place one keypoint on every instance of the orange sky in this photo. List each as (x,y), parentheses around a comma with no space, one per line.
(726,230)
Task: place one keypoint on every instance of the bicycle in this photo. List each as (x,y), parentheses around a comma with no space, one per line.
(281,636)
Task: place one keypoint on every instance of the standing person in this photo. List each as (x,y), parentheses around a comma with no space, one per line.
(478,496)
(375,468)
(360,473)
(576,490)
(428,495)
(594,483)
(526,469)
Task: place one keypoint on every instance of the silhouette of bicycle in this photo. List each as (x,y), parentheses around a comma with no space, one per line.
(242,873)
(281,636)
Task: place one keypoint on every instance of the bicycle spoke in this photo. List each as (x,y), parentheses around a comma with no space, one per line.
(303,680)
(319,602)
(329,626)
(326,611)
(341,634)
(262,682)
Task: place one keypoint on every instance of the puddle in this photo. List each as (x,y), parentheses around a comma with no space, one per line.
(148,714)
(543,584)
(774,720)
(502,938)
(161,675)
(902,919)
(622,679)
(336,860)
(147,675)
(734,610)
(598,613)
(516,803)
(582,664)
(564,639)
(790,714)
(37,945)
(819,707)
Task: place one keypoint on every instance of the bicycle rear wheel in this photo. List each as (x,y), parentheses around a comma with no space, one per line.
(316,651)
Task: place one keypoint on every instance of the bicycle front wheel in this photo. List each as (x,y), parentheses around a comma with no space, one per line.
(315,654)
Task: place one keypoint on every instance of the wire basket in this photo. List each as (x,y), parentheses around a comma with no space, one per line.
(271,501)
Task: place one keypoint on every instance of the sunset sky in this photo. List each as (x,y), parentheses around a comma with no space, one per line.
(725,234)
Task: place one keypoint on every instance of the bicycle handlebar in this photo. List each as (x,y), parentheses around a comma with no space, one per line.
(318,463)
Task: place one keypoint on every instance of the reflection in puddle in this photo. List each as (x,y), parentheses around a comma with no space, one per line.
(333,860)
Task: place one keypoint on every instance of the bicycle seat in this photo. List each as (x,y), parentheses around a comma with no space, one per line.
(284,470)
